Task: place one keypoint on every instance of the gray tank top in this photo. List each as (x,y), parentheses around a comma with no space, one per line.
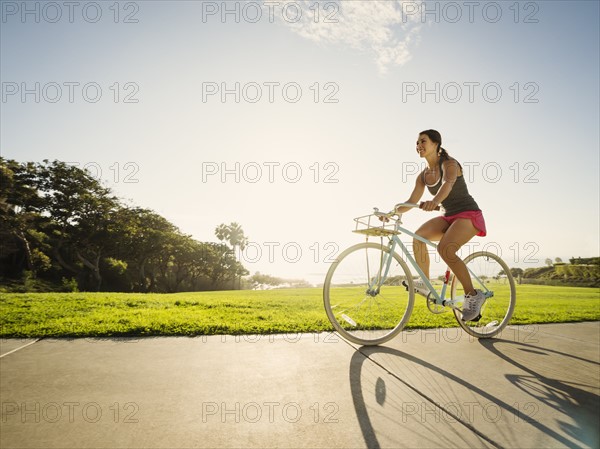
(459,200)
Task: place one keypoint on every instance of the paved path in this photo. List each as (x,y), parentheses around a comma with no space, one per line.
(535,386)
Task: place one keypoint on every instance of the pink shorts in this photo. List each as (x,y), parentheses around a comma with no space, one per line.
(476,217)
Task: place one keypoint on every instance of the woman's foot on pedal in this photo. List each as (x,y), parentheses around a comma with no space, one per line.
(472,305)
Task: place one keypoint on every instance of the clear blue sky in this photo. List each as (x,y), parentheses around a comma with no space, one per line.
(531,153)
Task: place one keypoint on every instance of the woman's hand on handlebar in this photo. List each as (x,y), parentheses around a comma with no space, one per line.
(428,206)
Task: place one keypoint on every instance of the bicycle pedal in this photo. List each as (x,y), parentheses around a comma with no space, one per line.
(477,318)
(424,293)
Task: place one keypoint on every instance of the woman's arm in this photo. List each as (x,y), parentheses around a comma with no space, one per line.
(451,172)
(415,195)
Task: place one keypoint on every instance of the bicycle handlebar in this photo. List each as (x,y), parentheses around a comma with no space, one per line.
(393,212)
(416,205)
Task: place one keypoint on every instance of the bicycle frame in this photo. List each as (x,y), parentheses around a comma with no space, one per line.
(439,298)
(378,313)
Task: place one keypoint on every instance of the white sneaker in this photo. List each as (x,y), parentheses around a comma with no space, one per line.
(472,305)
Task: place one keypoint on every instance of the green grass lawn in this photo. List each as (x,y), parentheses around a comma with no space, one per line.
(241,312)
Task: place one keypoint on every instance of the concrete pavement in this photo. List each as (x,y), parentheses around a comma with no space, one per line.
(534,386)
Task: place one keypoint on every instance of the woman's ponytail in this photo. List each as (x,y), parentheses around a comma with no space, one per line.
(443,154)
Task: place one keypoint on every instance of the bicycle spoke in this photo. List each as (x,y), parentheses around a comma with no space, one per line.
(492,276)
(371,312)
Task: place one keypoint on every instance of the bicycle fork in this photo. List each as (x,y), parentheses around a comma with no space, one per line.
(376,281)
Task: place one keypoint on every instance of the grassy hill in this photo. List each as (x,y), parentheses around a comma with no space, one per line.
(582,275)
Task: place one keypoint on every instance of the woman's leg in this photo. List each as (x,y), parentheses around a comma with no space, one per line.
(431,230)
(459,233)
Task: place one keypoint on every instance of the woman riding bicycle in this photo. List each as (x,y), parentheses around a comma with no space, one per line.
(461,221)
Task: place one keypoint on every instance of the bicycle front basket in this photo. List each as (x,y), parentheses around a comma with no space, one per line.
(373,226)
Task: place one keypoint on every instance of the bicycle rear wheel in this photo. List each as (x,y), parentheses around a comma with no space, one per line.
(491,275)
(361,309)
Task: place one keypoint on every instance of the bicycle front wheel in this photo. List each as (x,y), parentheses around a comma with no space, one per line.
(490,274)
(364,305)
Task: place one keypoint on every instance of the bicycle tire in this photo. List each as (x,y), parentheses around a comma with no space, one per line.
(349,307)
(497,310)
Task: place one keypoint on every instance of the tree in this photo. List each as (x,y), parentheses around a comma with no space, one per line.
(82,211)
(258,280)
(218,265)
(234,234)
(20,213)
(57,221)
(558,260)
(516,273)
(142,237)
(549,262)
(585,261)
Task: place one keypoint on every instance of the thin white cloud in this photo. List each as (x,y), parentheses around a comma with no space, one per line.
(386,29)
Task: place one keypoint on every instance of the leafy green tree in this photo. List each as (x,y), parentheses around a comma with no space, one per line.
(517,273)
(585,261)
(220,264)
(141,236)
(82,211)
(257,280)
(59,222)
(20,215)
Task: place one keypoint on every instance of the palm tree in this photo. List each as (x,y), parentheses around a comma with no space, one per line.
(234,234)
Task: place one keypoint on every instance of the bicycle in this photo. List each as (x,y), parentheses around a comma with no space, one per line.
(369,294)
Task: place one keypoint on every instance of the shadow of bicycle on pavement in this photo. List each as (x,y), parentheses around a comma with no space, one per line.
(570,398)
(408,417)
